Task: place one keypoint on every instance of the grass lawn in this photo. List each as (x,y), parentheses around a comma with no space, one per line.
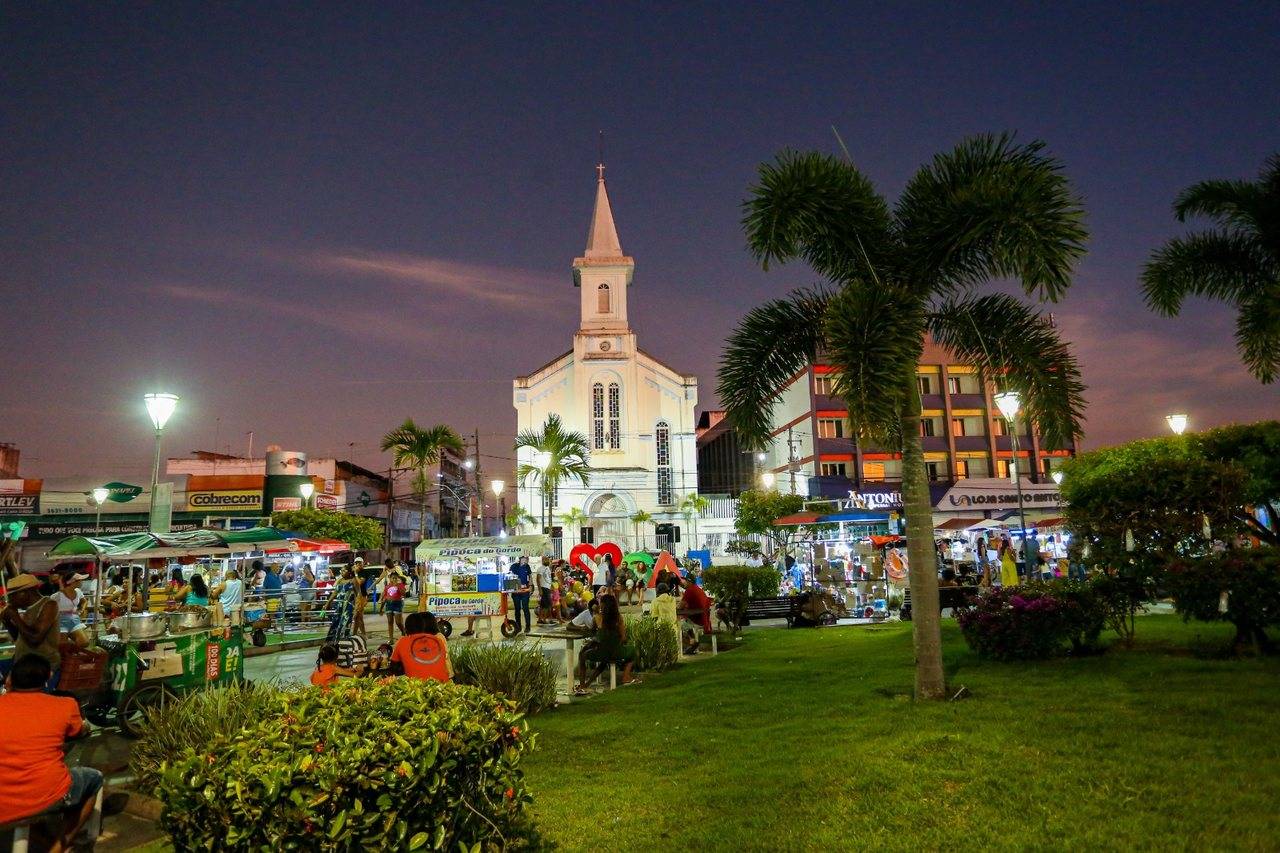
(796,740)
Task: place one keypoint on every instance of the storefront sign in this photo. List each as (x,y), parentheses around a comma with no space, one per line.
(122,492)
(465,603)
(244,499)
(285,504)
(982,493)
(329,502)
(56,530)
(871,498)
(20,497)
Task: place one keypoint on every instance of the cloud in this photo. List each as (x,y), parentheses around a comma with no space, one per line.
(504,286)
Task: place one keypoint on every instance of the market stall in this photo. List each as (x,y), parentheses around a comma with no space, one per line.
(468,577)
(150,657)
(840,563)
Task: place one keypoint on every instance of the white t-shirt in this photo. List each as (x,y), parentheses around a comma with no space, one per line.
(232,595)
(69,606)
(585,619)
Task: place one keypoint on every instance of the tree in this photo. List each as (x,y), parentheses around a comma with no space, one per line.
(1237,263)
(358,531)
(573,520)
(518,517)
(759,508)
(638,518)
(418,448)
(989,209)
(693,506)
(565,453)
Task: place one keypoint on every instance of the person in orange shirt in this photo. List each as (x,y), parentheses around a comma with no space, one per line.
(327,669)
(422,652)
(33,776)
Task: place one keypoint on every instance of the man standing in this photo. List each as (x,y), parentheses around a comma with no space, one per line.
(35,629)
(542,576)
(520,598)
(33,777)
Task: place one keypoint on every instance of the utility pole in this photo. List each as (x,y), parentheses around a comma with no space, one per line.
(791,459)
(391,508)
(479,491)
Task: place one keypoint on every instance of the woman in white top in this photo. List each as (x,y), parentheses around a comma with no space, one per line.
(230,595)
(71,606)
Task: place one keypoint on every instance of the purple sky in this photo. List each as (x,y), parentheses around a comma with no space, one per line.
(311,224)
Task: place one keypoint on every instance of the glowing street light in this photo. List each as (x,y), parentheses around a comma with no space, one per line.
(1057,477)
(160,408)
(497,487)
(1177,423)
(100,494)
(761,457)
(768,479)
(1009,403)
(306,490)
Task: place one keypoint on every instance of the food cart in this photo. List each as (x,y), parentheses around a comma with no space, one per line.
(468,577)
(148,658)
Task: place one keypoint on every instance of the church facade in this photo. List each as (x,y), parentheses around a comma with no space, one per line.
(636,412)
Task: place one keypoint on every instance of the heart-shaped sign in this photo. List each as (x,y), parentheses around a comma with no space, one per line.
(587,556)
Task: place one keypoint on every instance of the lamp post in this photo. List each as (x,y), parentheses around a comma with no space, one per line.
(496,486)
(159,407)
(99,495)
(307,490)
(1177,423)
(1009,402)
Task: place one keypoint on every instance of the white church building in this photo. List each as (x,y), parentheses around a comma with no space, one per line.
(636,412)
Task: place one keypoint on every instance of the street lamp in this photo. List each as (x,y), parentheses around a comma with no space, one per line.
(307,490)
(761,457)
(1177,423)
(160,407)
(768,479)
(1057,478)
(1009,402)
(497,486)
(99,495)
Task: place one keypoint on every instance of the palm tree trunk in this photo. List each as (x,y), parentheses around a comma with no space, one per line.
(918,508)
(422,516)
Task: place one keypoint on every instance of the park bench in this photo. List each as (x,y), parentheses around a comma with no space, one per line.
(949,598)
(780,607)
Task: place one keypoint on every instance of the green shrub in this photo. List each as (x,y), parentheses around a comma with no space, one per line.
(657,644)
(368,765)
(1121,598)
(173,727)
(1249,580)
(519,671)
(733,586)
(1082,612)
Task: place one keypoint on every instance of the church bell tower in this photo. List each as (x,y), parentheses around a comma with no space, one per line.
(603,275)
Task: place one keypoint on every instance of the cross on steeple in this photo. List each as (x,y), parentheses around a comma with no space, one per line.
(600,172)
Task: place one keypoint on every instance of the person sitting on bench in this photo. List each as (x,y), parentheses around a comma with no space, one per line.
(695,606)
(610,646)
(34,779)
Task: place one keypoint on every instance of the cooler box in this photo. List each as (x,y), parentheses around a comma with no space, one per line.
(488,583)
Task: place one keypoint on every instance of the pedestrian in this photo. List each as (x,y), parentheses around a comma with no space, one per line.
(393,595)
(342,602)
(34,777)
(520,598)
(35,629)
(422,652)
(72,606)
(542,576)
(361,596)
(1008,565)
(230,597)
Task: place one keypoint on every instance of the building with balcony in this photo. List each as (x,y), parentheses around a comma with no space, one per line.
(815,449)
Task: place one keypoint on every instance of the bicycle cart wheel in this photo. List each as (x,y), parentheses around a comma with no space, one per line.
(133,708)
(259,637)
(509,629)
(827,618)
(445,627)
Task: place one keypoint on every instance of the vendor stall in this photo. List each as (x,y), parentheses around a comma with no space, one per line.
(468,577)
(839,565)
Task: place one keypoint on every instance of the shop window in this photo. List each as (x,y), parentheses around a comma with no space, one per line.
(1046,463)
(928,427)
(962,469)
(1002,468)
(831,428)
(935,471)
(823,384)
(834,469)
(957,427)
(873,470)
(926,384)
(602,299)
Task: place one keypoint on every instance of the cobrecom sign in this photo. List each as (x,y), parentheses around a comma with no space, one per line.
(242,499)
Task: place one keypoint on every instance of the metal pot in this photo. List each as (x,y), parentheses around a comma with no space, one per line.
(189,620)
(143,626)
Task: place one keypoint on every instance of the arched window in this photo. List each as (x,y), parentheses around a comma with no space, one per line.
(662,440)
(615,416)
(602,299)
(597,416)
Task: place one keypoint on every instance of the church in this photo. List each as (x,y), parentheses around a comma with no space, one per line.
(636,412)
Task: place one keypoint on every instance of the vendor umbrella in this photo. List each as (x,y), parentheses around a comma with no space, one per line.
(203,542)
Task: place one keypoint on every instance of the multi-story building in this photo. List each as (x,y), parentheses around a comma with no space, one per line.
(725,465)
(815,449)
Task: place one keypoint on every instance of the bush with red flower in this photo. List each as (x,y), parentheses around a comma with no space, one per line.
(1018,623)
(1240,586)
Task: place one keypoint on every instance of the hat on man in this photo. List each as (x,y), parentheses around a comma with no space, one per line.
(76,578)
(359,559)
(22,581)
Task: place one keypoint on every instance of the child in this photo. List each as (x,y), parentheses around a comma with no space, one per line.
(422,652)
(327,669)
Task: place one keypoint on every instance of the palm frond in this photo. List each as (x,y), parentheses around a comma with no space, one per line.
(1222,265)
(820,209)
(1016,348)
(874,335)
(991,208)
(567,452)
(1258,335)
(418,446)
(771,344)
(1229,202)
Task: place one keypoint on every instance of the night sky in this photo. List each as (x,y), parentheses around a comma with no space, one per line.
(313,223)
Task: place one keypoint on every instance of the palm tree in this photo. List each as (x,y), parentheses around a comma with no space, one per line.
(518,517)
(638,518)
(692,506)
(989,209)
(573,519)
(419,448)
(566,457)
(1238,262)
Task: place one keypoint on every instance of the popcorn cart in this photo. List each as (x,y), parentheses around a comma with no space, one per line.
(469,578)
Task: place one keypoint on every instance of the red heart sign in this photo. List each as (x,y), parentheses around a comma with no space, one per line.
(586,556)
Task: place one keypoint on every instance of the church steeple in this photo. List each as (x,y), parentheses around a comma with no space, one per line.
(602,238)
